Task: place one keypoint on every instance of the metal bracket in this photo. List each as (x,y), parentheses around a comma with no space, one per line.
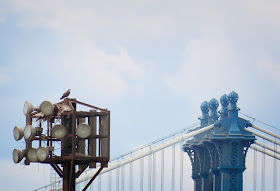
(92,179)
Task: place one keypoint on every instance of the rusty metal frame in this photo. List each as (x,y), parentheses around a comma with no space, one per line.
(92,179)
(57,169)
(70,160)
(81,170)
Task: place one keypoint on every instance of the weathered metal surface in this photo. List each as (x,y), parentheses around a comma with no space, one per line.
(218,155)
(92,179)
(73,151)
(92,139)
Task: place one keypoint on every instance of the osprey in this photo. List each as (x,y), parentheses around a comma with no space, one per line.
(66,94)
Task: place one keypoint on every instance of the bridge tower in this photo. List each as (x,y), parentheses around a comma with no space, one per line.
(218,155)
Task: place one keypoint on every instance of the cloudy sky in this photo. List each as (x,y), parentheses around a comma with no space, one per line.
(152,63)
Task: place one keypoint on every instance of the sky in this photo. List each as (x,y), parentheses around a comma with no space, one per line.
(151,63)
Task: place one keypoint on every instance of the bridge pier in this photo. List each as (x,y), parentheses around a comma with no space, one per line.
(218,155)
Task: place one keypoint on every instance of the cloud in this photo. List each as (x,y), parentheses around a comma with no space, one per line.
(108,74)
(83,67)
(223,55)
(262,11)
(90,17)
(4,79)
(270,67)
(207,67)
(78,61)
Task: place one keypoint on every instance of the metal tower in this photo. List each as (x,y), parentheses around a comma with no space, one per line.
(218,155)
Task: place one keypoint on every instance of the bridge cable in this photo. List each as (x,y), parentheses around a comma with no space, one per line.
(141,172)
(263,171)
(91,187)
(110,180)
(275,168)
(254,119)
(122,177)
(131,177)
(255,172)
(181,166)
(173,168)
(162,170)
(85,181)
(99,183)
(154,172)
(192,126)
(117,179)
(149,172)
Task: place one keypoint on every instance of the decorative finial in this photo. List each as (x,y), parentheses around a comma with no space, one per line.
(233,97)
(204,107)
(224,102)
(205,113)
(233,113)
(213,105)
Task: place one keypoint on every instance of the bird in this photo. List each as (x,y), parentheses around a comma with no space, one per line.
(66,94)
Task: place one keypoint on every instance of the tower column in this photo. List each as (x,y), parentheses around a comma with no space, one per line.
(218,155)
(232,165)
(195,161)
(205,166)
(216,179)
(214,172)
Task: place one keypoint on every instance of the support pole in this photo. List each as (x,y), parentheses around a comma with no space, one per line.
(92,179)
(68,178)
(57,169)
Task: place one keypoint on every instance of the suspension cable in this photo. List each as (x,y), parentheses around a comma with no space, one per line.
(162,170)
(192,126)
(110,180)
(99,183)
(263,136)
(122,177)
(255,171)
(154,172)
(275,169)
(162,178)
(117,179)
(173,168)
(85,181)
(259,121)
(268,147)
(141,172)
(143,154)
(149,172)
(264,151)
(263,171)
(131,177)
(91,186)
(265,131)
(181,167)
